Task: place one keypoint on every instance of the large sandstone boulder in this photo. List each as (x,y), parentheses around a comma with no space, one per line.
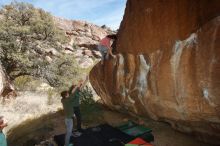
(168,65)
(151,25)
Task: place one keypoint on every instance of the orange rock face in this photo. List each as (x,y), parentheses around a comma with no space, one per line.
(167,66)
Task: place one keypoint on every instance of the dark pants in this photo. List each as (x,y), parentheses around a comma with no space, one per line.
(78,117)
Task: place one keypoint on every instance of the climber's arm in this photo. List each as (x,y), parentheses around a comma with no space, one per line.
(73,89)
(82,85)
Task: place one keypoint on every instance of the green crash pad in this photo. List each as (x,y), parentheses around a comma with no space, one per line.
(127,125)
(136,130)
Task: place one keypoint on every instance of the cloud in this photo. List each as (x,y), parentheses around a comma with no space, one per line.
(108,12)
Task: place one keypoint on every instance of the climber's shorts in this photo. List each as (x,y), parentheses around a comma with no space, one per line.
(2,140)
(103,50)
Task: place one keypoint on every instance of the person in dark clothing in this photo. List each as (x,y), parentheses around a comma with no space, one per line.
(78,118)
(76,106)
(67,102)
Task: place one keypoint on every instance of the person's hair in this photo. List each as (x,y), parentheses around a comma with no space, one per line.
(112,36)
(63,94)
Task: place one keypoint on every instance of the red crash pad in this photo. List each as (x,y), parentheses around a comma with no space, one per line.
(138,141)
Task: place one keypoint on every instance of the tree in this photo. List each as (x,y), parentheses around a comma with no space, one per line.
(26,33)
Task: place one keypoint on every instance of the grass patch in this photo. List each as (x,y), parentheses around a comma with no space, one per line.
(51,96)
(26,83)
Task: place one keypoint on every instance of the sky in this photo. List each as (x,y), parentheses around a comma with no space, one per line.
(100,12)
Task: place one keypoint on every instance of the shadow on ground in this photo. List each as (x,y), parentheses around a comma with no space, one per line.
(33,131)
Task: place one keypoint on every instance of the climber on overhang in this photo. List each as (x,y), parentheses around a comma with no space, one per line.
(105,47)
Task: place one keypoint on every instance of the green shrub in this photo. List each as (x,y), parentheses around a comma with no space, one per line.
(21,82)
(87,97)
(89,107)
(75,46)
(25,35)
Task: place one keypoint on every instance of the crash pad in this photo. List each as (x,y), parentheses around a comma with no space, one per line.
(138,142)
(106,136)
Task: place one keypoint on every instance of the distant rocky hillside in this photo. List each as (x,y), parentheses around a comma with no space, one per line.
(83,38)
(81,34)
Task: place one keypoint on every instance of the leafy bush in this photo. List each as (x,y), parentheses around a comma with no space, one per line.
(26,33)
(63,71)
(75,46)
(87,97)
(27,36)
(89,107)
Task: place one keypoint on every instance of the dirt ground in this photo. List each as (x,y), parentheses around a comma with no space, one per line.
(53,124)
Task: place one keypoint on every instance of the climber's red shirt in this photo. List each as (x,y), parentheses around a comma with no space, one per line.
(106,42)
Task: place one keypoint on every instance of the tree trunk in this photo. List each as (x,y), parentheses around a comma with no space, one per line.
(6,87)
